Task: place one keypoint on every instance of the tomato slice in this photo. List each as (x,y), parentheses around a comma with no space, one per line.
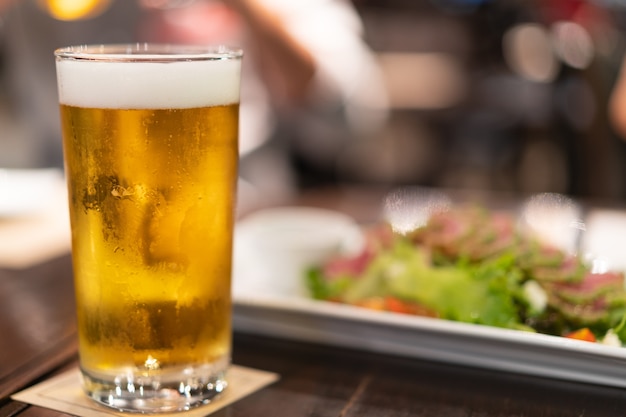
(406,307)
(583,334)
(373,303)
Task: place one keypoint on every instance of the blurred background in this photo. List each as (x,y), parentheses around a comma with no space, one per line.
(504,95)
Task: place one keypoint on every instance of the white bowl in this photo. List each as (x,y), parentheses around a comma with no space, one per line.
(275,247)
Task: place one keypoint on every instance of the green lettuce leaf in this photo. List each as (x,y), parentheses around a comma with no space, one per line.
(484,294)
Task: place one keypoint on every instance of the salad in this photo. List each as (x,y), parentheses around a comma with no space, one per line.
(473,265)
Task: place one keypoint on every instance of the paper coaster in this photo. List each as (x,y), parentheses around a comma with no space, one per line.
(63,393)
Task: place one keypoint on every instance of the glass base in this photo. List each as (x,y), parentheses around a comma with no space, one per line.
(148,394)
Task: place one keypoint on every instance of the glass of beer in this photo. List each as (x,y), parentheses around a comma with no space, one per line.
(150,138)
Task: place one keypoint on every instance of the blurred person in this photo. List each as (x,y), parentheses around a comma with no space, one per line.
(310,82)
(617,103)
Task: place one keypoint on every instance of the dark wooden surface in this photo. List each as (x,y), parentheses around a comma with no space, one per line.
(37,339)
(37,327)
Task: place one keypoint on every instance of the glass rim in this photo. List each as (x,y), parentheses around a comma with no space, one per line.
(147,52)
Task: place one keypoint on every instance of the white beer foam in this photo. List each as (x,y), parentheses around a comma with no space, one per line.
(148,85)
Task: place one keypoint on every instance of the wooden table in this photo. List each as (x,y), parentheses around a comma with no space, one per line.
(38,332)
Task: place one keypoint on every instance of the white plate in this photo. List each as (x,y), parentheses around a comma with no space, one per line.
(431,339)
(27,192)
(269,312)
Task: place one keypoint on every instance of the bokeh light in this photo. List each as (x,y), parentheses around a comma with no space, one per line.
(74,9)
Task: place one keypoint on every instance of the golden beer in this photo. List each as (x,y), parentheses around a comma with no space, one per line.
(152,195)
